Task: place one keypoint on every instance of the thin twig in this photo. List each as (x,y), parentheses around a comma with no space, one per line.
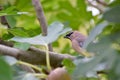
(30,65)
(102,2)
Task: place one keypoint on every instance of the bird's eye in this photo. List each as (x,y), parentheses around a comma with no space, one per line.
(69,34)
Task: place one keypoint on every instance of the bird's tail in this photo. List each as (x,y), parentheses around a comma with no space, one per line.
(86,54)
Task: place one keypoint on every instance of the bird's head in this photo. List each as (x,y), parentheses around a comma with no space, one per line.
(68,35)
(75,35)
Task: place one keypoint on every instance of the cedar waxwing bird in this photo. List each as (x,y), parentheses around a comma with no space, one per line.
(77,40)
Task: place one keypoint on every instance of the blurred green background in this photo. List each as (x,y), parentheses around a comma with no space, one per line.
(102,27)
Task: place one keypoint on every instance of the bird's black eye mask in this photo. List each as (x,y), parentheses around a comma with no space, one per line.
(68,35)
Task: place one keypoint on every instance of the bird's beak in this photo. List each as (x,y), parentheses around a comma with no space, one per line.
(66,36)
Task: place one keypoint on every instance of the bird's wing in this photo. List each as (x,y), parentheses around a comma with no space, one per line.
(77,48)
(81,40)
(81,44)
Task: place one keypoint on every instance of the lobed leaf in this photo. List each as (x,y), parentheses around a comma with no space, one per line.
(54,31)
(95,32)
(112,15)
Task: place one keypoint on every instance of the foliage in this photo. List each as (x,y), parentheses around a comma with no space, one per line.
(103,35)
(5,70)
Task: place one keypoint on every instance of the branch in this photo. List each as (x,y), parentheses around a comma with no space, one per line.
(34,55)
(102,2)
(26,68)
(40,16)
(41,19)
(95,6)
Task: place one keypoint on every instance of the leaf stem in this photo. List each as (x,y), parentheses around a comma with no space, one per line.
(47,58)
(30,65)
(40,75)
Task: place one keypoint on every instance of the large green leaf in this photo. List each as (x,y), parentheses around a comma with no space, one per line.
(54,31)
(5,71)
(95,32)
(113,14)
